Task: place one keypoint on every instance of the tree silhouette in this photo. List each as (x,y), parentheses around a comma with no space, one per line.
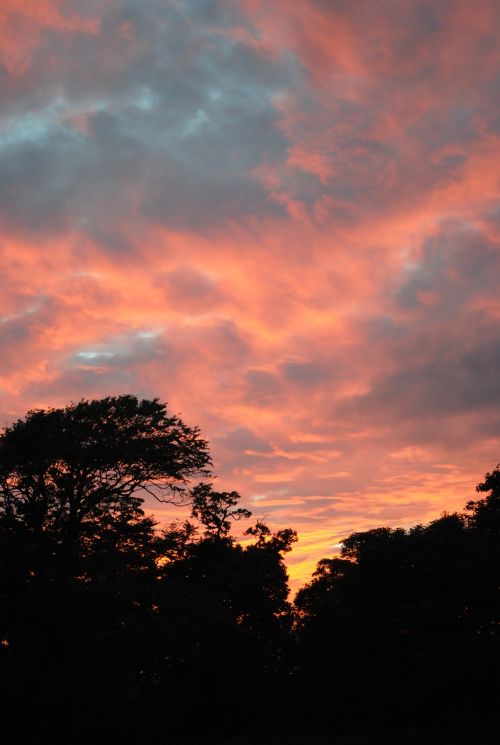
(409,616)
(223,619)
(78,556)
(104,617)
(70,477)
(216,509)
(485,513)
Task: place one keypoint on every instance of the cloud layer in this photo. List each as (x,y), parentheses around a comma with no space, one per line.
(282,218)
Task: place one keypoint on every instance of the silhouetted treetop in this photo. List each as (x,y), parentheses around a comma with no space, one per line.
(486,512)
(60,468)
(281,541)
(321,591)
(370,543)
(216,509)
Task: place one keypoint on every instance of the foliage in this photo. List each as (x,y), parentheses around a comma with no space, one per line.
(103,617)
(409,618)
(97,607)
(62,467)
(72,480)
(215,510)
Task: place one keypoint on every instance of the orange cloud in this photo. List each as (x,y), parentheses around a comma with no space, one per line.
(282,218)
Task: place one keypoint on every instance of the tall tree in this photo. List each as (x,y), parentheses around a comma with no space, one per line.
(70,475)
(78,556)
(216,509)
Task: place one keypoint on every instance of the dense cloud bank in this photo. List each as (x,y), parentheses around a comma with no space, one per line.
(282,217)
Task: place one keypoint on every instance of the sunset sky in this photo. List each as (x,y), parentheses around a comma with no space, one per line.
(283,218)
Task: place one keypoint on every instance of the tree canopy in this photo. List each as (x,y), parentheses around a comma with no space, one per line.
(104,615)
(97,605)
(70,471)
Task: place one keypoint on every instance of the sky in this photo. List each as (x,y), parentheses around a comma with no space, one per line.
(282,218)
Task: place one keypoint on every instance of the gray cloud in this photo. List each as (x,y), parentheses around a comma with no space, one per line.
(307,373)
(190,290)
(442,387)
(241,439)
(436,350)
(453,266)
(262,387)
(142,346)
(160,116)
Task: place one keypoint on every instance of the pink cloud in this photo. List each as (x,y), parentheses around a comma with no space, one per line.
(285,221)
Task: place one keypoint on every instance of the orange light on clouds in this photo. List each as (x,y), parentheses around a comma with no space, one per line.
(283,219)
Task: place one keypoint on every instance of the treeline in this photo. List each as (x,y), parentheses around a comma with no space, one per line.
(111,629)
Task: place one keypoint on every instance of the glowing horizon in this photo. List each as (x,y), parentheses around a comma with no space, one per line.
(284,221)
